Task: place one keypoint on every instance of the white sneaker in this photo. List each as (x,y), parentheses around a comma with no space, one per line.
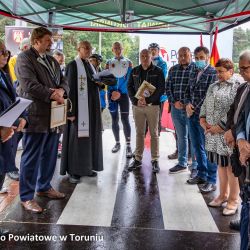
(3,190)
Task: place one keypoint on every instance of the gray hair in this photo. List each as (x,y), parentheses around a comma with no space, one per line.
(24,42)
(83,42)
(245,55)
(57,53)
(145,51)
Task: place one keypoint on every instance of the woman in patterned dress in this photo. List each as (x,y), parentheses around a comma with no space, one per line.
(213,114)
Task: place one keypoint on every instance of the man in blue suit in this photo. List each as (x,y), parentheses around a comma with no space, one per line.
(200,78)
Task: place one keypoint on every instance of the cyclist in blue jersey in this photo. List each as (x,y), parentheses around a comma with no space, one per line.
(118,96)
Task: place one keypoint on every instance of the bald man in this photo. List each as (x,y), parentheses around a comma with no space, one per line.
(118,96)
(82,139)
(146,108)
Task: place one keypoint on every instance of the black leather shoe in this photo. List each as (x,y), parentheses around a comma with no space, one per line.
(177,169)
(155,165)
(235,225)
(129,153)
(196,180)
(74,179)
(173,156)
(4,232)
(193,173)
(207,188)
(116,148)
(134,165)
(93,174)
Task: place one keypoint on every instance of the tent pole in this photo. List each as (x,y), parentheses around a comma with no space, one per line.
(51,18)
(211,41)
(18,22)
(100,43)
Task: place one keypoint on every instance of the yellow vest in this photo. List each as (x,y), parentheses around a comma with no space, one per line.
(11,64)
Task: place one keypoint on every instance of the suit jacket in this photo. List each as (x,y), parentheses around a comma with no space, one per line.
(7,97)
(242,120)
(35,83)
(230,114)
(196,91)
(154,76)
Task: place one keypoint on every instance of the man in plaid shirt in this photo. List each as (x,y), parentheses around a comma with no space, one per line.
(176,86)
(200,79)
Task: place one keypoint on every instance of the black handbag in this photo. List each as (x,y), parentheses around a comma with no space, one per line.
(109,80)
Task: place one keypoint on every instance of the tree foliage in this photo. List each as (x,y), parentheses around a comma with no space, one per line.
(4,21)
(241,41)
(130,44)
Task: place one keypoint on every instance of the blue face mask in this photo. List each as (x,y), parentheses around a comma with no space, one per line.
(201,64)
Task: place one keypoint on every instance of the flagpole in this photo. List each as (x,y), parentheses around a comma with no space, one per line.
(211,36)
(100,43)
(214,52)
(211,41)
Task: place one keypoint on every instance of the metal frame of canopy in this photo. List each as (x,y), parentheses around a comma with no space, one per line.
(141,16)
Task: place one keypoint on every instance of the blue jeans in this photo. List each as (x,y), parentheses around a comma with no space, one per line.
(244,226)
(181,127)
(194,161)
(206,170)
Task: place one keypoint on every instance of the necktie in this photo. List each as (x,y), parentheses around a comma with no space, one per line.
(242,100)
(48,64)
(49,67)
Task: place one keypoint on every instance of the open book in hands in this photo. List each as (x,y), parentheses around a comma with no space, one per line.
(145,90)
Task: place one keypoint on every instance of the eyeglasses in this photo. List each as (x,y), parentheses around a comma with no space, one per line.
(244,68)
(4,53)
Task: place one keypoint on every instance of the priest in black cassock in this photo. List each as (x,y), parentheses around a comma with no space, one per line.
(82,138)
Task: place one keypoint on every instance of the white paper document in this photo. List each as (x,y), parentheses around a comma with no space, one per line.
(58,114)
(14,111)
